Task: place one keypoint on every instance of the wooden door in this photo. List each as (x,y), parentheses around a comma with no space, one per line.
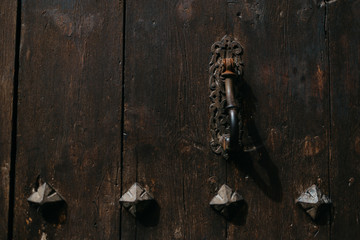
(98,95)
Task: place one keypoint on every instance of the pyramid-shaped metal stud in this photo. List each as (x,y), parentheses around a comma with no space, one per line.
(45,194)
(136,200)
(226,201)
(312,200)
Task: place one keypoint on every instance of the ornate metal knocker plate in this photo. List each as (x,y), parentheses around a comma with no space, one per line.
(225,71)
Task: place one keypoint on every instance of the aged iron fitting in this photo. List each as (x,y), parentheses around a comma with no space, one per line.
(45,194)
(137,200)
(226,201)
(225,118)
(313,201)
(48,202)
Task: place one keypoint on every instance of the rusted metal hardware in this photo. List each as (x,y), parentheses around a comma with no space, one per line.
(226,201)
(137,200)
(230,76)
(225,79)
(45,194)
(313,201)
(48,203)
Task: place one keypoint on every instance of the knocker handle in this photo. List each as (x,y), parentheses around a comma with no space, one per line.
(230,76)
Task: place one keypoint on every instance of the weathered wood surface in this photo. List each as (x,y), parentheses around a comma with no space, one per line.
(301,108)
(166,148)
(69,117)
(343,27)
(7,70)
(286,116)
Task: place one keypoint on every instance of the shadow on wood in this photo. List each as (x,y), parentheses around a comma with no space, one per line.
(54,213)
(239,214)
(263,168)
(150,216)
(324,214)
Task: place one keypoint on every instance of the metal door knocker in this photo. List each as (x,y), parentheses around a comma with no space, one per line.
(225,71)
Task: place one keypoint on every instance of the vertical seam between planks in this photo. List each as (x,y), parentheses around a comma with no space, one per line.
(122,108)
(327,42)
(14,122)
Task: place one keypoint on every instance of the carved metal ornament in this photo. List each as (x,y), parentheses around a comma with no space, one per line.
(45,194)
(226,201)
(136,200)
(312,200)
(226,49)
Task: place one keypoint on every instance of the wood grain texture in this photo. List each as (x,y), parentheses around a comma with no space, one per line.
(166,148)
(7,60)
(286,116)
(69,117)
(344,48)
(301,110)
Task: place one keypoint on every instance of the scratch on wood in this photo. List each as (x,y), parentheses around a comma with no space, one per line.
(43,236)
(320,80)
(323,3)
(313,145)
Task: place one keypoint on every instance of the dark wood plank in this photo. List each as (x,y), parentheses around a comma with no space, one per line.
(69,117)
(344,51)
(166,116)
(286,116)
(7,60)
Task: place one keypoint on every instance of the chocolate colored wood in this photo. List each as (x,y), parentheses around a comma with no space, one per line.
(286,116)
(8,11)
(69,117)
(116,92)
(166,116)
(343,28)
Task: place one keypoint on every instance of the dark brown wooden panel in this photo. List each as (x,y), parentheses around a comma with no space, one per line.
(166,148)
(7,60)
(69,117)
(344,51)
(286,116)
